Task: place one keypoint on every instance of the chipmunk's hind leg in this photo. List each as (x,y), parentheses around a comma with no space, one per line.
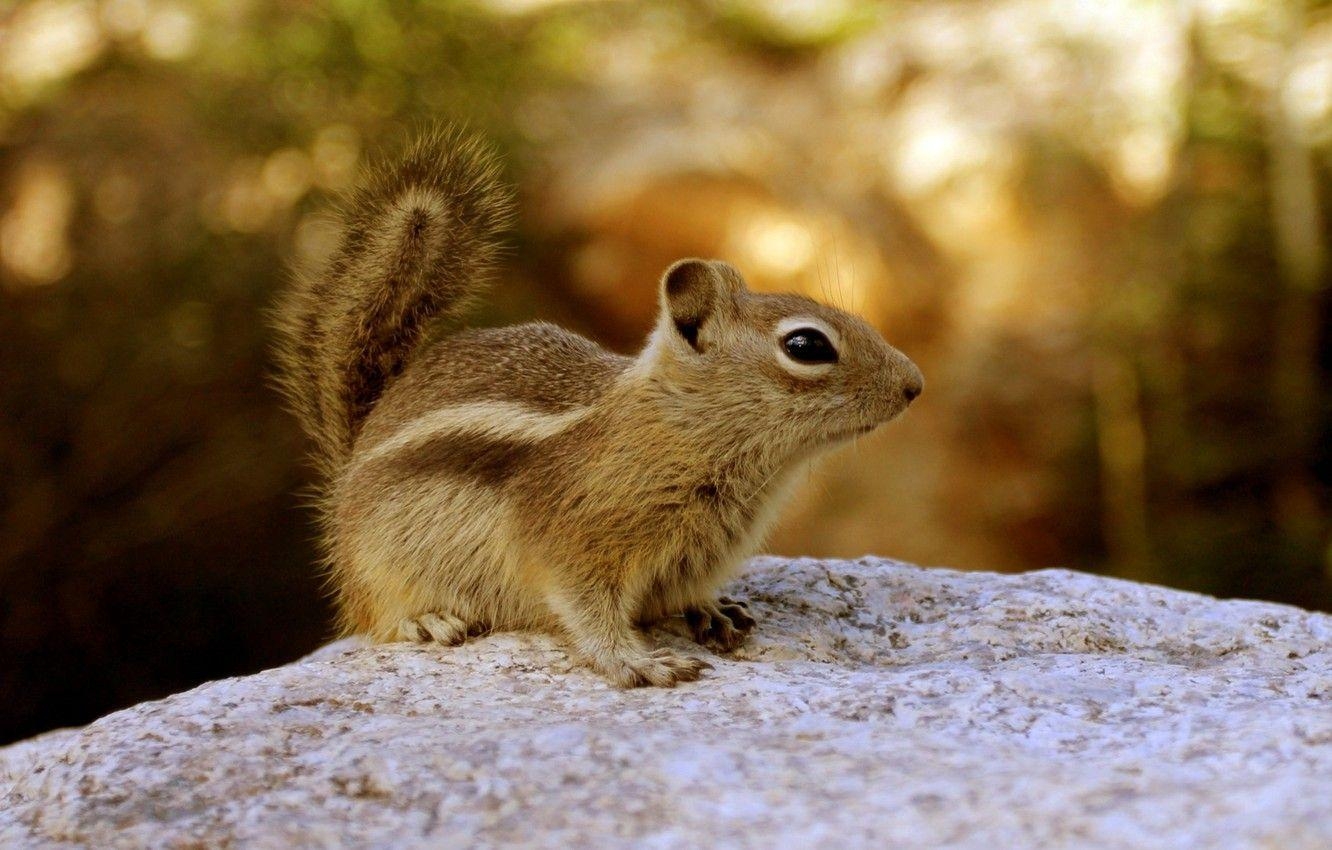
(438,626)
(723,624)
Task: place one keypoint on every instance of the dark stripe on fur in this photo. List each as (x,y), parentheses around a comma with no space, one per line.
(471,457)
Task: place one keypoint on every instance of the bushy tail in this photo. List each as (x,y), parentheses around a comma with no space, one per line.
(418,239)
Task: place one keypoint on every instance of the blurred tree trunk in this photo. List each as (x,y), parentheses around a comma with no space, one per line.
(1122,443)
(1301,259)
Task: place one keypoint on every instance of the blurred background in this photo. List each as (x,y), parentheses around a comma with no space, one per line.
(1100,228)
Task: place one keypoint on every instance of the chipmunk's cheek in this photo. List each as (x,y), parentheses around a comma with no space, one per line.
(888,401)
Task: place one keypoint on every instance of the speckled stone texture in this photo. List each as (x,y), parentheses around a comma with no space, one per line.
(877,705)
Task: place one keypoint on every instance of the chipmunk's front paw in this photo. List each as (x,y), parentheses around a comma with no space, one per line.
(723,625)
(662,668)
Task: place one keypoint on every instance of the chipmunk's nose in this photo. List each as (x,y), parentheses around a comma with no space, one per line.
(914,384)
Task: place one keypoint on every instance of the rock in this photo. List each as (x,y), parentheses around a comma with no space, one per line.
(877,705)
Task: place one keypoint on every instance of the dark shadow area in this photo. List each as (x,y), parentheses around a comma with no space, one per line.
(232,595)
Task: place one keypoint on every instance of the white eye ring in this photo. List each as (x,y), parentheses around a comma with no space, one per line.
(804,370)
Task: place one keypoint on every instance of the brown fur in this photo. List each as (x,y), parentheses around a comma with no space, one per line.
(524,478)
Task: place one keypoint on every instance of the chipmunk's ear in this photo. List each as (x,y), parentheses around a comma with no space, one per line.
(696,294)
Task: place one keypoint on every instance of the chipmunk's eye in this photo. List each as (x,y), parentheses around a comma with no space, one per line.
(807,345)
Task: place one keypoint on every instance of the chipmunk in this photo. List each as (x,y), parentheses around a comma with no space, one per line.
(526,478)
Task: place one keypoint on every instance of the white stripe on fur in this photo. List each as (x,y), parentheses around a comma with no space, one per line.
(503,420)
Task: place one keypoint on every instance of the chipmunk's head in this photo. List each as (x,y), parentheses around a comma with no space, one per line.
(813,374)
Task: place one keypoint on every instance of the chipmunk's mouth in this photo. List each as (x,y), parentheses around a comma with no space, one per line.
(852,433)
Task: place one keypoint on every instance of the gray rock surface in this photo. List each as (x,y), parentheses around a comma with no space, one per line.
(877,705)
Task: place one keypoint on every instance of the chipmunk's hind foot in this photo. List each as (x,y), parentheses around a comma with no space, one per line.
(438,626)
